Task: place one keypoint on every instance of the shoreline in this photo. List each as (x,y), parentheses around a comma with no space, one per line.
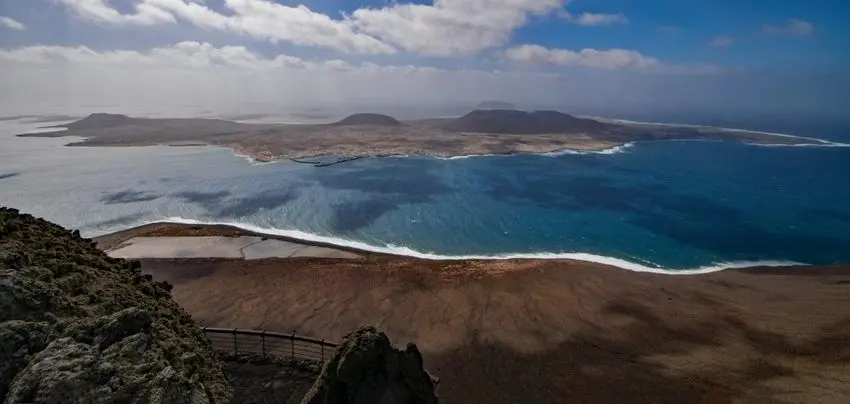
(265,157)
(187,227)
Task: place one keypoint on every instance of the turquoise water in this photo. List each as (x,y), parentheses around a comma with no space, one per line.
(654,205)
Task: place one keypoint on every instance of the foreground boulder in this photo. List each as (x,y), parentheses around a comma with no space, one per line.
(77,326)
(367,368)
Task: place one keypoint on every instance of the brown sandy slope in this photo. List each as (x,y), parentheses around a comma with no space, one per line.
(556,331)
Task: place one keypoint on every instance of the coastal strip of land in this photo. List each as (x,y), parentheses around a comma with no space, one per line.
(244,247)
(546,331)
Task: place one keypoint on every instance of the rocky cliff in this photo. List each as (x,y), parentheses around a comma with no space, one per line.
(77,326)
(367,368)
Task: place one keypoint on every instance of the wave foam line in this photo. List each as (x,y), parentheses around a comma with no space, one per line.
(409,252)
(467,156)
(823,142)
(563,152)
(611,150)
(47,130)
(252,160)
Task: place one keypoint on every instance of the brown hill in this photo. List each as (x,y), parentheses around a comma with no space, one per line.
(99,120)
(368,119)
(523,122)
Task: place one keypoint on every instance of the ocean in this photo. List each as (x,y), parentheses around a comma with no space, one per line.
(674,206)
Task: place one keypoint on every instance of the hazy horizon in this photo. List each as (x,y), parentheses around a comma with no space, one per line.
(177,57)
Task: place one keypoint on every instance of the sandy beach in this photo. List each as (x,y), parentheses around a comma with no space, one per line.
(544,330)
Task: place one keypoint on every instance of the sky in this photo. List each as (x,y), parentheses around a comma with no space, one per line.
(777,56)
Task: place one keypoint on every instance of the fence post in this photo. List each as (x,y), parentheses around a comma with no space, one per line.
(263,336)
(235,346)
(292,338)
(323,350)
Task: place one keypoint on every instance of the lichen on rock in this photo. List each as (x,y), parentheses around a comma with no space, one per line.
(367,368)
(77,326)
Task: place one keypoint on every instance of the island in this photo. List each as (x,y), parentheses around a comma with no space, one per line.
(480,132)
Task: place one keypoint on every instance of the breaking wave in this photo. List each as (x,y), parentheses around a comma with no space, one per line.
(409,252)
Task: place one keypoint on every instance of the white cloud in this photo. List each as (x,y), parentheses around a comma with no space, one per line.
(792,27)
(232,78)
(441,28)
(611,59)
(102,12)
(261,19)
(11,23)
(450,26)
(299,25)
(192,78)
(286,61)
(337,65)
(195,54)
(183,55)
(48,55)
(187,55)
(200,56)
(591,58)
(721,41)
(595,19)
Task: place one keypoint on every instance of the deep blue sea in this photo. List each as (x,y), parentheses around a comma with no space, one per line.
(677,206)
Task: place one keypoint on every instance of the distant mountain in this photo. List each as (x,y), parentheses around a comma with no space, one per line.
(496,105)
(99,120)
(368,119)
(522,122)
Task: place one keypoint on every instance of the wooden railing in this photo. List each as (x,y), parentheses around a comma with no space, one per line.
(236,341)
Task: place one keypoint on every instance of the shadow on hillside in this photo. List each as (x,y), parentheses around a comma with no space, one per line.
(616,366)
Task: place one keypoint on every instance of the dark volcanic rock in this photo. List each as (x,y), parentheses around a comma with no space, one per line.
(369,119)
(367,368)
(522,122)
(100,120)
(79,326)
(496,105)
